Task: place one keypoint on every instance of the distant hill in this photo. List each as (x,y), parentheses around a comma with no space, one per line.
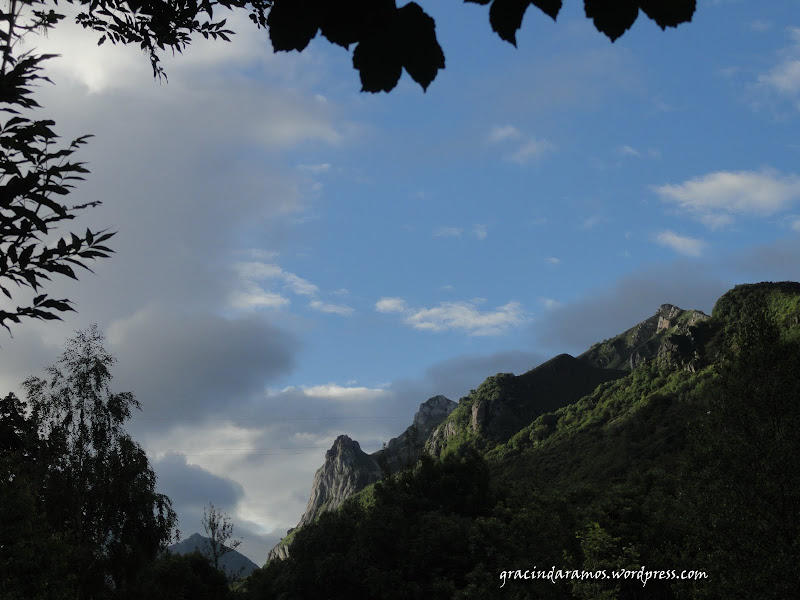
(230,562)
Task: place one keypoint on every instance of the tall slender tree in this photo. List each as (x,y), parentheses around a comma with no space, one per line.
(219,531)
(98,488)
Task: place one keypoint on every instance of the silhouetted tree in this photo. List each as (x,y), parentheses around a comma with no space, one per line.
(387,38)
(32,175)
(219,531)
(97,489)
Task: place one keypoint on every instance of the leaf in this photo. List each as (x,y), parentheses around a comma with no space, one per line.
(101,41)
(612,17)
(89,237)
(549,7)
(669,13)
(378,62)
(347,21)
(505,17)
(25,257)
(292,24)
(422,54)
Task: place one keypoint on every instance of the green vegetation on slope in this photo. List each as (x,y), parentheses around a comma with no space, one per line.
(668,468)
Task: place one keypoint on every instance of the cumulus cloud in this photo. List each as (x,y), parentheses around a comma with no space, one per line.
(391,305)
(531,149)
(196,365)
(333,391)
(457,316)
(251,295)
(501,133)
(685,245)
(716,198)
(784,78)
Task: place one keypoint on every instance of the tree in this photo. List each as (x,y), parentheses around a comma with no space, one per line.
(742,492)
(97,489)
(387,38)
(219,531)
(32,174)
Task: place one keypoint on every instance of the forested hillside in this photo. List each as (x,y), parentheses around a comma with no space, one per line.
(682,465)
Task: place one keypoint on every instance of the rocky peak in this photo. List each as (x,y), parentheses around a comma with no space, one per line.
(651,338)
(408,446)
(347,470)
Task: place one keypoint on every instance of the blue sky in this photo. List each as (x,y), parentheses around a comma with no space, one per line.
(296,259)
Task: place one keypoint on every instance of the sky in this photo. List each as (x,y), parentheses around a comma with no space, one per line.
(296,259)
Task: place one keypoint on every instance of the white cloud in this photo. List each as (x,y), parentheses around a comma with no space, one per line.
(462,316)
(784,78)
(257,271)
(715,198)
(336,309)
(479,231)
(681,244)
(531,150)
(253,297)
(333,391)
(553,260)
(500,133)
(528,147)
(448,232)
(465,316)
(391,305)
(796,224)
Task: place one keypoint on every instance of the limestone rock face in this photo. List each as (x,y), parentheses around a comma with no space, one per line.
(654,337)
(280,552)
(406,448)
(347,470)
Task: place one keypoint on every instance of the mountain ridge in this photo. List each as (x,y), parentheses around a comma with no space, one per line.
(232,562)
(500,407)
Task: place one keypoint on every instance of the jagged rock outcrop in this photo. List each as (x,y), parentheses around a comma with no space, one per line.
(406,448)
(280,551)
(657,336)
(347,470)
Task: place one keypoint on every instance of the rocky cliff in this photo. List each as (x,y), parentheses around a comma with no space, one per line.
(670,334)
(348,469)
(504,403)
(406,448)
